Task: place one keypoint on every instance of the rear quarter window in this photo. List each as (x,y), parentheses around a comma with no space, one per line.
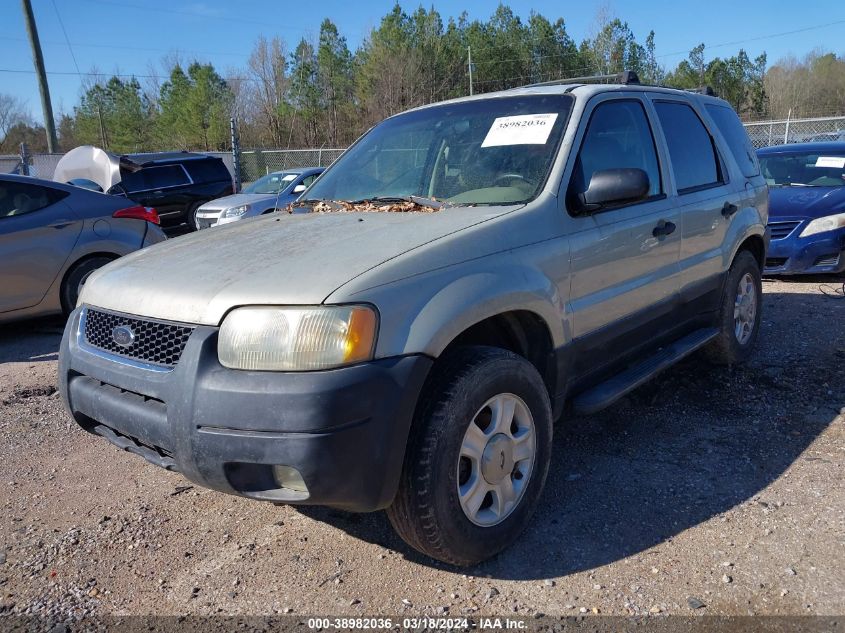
(210,170)
(157,177)
(737,138)
(19,198)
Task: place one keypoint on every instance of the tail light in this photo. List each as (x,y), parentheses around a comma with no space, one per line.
(139,212)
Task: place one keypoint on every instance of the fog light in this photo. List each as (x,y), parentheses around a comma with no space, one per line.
(288,477)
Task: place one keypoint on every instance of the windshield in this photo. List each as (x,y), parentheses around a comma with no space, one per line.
(493,151)
(804,169)
(271,183)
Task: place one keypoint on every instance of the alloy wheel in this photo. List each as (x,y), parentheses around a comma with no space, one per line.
(745,309)
(496,460)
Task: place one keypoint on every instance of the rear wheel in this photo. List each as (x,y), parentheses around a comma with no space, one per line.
(477,458)
(75,279)
(739,313)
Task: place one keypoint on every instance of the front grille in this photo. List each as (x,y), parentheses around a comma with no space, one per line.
(157,342)
(775,262)
(827,260)
(781,230)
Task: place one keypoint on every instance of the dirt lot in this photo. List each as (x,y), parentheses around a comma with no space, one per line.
(706,491)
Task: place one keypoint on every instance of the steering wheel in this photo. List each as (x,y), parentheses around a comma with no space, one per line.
(511,177)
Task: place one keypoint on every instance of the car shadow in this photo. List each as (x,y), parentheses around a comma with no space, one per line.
(33,340)
(683,449)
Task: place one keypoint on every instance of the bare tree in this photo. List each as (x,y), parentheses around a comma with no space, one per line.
(267,66)
(812,86)
(12,112)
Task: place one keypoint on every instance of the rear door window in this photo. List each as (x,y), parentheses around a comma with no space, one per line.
(19,198)
(737,138)
(618,136)
(691,148)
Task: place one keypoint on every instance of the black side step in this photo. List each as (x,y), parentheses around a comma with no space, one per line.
(604,394)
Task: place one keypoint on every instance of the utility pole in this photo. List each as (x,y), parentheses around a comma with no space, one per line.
(102,128)
(469,64)
(38,60)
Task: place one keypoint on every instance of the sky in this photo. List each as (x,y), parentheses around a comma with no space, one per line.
(134,36)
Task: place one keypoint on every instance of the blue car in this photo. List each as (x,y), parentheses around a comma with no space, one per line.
(806,207)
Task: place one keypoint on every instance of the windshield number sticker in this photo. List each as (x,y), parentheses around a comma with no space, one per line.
(524,129)
(830,161)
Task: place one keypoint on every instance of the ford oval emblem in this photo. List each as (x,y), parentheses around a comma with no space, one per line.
(123,335)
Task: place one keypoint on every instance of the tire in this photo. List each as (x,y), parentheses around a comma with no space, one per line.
(191,216)
(465,388)
(730,347)
(75,279)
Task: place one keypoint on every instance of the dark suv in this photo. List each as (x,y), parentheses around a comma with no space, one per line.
(175,183)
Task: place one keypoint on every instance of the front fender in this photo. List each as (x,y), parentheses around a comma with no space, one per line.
(424,313)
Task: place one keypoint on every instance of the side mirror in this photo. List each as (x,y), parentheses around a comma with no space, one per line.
(614,186)
(299,189)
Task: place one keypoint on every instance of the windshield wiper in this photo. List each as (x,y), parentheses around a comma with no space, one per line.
(431,203)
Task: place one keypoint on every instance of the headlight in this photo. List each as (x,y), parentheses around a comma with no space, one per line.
(235,212)
(820,225)
(297,339)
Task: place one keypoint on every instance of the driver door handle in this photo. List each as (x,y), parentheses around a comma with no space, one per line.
(60,224)
(663,228)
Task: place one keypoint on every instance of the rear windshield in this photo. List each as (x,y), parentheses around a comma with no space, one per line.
(804,169)
(493,151)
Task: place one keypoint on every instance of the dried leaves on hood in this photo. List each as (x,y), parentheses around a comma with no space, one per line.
(368,206)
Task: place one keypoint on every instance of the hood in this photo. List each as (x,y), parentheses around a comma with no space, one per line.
(239,199)
(805,202)
(279,259)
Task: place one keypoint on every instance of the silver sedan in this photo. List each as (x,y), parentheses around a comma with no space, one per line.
(53,236)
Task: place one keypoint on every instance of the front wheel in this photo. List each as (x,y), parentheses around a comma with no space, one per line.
(477,458)
(191,216)
(739,313)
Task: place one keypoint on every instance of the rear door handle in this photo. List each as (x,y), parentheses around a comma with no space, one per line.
(60,224)
(663,228)
(729,209)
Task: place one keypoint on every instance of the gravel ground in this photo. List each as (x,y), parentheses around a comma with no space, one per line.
(707,491)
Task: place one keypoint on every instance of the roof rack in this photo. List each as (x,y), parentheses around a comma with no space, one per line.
(625,77)
(702,90)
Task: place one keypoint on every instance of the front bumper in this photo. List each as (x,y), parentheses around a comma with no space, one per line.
(344,430)
(222,221)
(822,253)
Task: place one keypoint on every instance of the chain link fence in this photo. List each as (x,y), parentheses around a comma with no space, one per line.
(766,133)
(259,162)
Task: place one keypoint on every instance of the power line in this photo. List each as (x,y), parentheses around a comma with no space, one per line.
(101,74)
(130,48)
(62,24)
(759,38)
